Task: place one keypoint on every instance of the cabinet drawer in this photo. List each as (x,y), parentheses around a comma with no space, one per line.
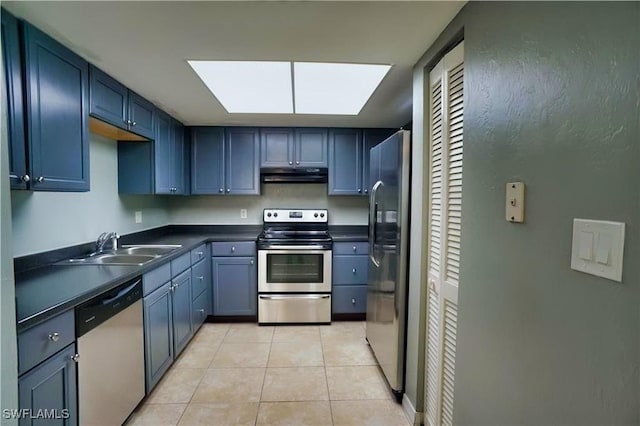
(154,279)
(181,263)
(200,310)
(239,248)
(44,340)
(199,253)
(350,269)
(199,278)
(349,299)
(351,248)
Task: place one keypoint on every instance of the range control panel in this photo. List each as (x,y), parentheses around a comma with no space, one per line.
(296,216)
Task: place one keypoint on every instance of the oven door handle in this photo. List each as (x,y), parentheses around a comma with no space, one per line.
(279,247)
(296,296)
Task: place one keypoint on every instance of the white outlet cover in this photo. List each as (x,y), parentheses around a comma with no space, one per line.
(598,248)
(138,217)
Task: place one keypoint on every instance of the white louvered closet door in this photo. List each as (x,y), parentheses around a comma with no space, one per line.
(445,201)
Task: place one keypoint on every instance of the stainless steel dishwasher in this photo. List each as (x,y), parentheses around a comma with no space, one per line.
(110,336)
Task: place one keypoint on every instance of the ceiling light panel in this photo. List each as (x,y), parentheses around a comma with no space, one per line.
(330,88)
(248,86)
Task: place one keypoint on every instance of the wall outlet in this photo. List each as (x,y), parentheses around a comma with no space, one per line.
(243,213)
(139,217)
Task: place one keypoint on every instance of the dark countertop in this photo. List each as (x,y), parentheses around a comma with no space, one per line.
(44,292)
(349,233)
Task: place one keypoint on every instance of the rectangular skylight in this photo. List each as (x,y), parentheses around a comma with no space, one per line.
(331,88)
(248,86)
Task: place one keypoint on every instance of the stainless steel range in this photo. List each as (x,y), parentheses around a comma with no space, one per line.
(294,267)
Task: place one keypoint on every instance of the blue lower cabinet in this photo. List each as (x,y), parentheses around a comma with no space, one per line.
(158,334)
(182,305)
(200,310)
(52,388)
(349,299)
(235,288)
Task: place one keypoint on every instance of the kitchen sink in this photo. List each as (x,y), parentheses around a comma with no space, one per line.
(151,250)
(127,255)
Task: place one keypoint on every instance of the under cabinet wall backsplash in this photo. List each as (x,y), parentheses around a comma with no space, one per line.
(225,210)
(49,220)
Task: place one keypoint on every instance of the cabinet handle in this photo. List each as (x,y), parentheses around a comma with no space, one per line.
(353,301)
(172,288)
(228,190)
(201,277)
(297,163)
(291,163)
(221,190)
(25,178)
(359,190)
(200,253)
(201,311)
(54,337)
(354,249)
(40,179)
(233,249)
(75,357)
(354,270)
(252,262)
(366,191)
(133,123)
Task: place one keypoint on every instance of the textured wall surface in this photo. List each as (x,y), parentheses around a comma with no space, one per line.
(49,220)
(225,210)
(552,96)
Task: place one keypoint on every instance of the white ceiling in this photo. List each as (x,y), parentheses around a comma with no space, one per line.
(145,45)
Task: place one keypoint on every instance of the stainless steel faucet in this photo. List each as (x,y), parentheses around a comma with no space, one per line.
(104,237)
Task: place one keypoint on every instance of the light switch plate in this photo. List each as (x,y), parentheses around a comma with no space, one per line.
(514,209)
(598,248)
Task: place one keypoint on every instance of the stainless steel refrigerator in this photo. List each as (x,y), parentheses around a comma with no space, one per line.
(388,255)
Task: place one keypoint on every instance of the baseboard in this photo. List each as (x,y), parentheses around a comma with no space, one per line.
(414,417)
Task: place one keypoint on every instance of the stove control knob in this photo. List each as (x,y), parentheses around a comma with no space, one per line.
(275,215)
(321,214)
(269,214)
(315,215)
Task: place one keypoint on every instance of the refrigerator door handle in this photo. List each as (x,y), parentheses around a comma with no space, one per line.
(373,217)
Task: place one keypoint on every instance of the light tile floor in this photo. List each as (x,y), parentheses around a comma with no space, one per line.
(243,374)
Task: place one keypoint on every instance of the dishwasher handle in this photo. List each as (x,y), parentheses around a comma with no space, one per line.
(96,311)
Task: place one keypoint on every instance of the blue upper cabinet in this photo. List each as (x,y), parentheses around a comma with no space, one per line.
(57,98)
(276,147)
(349,159)
(207,160)
(311,148)
(108,99)
(180,159)
(242,156)
(141,114)
(345,162)
(12,63)
(163,147)
(285,147)
(371,138)
(111,102)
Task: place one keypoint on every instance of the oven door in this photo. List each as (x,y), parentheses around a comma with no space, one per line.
(294,270)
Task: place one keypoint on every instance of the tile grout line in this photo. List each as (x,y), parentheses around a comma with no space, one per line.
(264,378)
(326,376)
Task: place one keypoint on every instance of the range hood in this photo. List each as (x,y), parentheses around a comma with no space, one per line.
(293,175)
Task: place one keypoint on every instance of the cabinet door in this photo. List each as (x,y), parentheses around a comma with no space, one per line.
(178,158)
(57,113)
(235,287)
(182,329)
(107,98)
(276,147)
(13,90)
(51,386)
(158,334)
(141,115)
(242,157)
(345,162)
(371,138)
(311,147)
(207,160)
(164,161)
